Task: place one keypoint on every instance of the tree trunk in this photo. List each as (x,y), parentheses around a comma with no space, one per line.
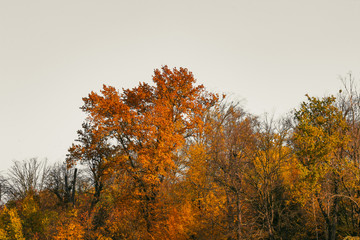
(239,217)
(334,212)
(73,187)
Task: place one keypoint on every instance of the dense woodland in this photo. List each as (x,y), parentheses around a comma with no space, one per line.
(170,160)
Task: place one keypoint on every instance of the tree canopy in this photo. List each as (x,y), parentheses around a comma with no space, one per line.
(170,160)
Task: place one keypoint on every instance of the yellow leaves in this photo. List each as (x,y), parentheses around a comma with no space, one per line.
(70,227)
(320,131)
(29,206)
(11,226)
(197,165)
(3,235)
(16,224)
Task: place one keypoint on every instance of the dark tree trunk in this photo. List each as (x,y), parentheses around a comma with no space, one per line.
(73,187)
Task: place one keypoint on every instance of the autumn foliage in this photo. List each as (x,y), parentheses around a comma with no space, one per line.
(170,160)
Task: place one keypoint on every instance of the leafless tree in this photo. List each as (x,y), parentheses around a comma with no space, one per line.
(3,183)
(60,184)
(24,177)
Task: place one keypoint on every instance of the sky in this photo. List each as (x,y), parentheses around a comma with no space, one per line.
(266,53)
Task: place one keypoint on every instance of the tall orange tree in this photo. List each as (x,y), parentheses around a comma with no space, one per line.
(144,128)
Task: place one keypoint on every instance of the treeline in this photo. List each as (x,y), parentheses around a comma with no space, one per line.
(172,161)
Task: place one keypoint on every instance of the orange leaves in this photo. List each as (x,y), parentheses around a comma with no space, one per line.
(137,134)
(147,123)
(70,227)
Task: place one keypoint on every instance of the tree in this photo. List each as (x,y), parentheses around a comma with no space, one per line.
(70,227)
(319,140)
(231,137)
(26,177)
(138,133)
(270,197)
(348,101)
(10,227)
(3,184)
(59,183)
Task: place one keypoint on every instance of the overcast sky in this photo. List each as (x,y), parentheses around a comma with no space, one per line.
(269,53)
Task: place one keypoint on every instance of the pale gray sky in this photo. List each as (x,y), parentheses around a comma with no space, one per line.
(269,52)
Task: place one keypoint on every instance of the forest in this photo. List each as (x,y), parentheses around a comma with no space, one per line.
(171,160)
